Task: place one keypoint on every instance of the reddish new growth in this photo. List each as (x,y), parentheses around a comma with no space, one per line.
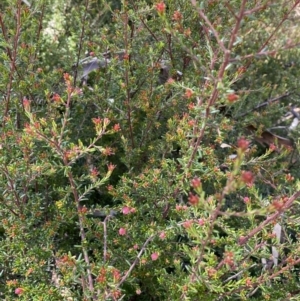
(111,167)
(211,272)
(117,127)
(26,103)
(232,97)
(289,177)
(108,151)
(126,210)
(102,276)
(66,77)
(196,182)
(160,8)
(191,123)
(272,147)
(278,204)
(191,106)
(82,210)
(243,144)
(247,177)
(56,97)
(193,199)
(162,235)
(201,221)
(106,121)
(116,294)
(177,16)
(187,224)
(122,231)
(188,93)
(94,172)
(229,259)
(19,291)
(126,57)
(96,120)
(247,200)
(181,208)
(241,70)
(170,81)
(187,32)
(116,274)
(154,256)
(248,282)
(29,129)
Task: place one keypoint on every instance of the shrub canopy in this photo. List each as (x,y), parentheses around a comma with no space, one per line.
(149,150)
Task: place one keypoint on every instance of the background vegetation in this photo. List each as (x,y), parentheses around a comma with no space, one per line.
(149,150)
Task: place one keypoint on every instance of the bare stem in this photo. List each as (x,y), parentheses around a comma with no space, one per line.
(243,240)
(80,41)
(12,54)
(126,74)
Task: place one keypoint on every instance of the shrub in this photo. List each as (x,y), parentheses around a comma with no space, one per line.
(145,150)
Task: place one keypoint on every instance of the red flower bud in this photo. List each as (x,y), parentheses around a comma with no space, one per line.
(247,177)
(232,97)
(19,291)
(195,183)
(243,144)
(160,7)
(193,199)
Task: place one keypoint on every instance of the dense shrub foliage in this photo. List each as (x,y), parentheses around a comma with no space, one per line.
(149,150)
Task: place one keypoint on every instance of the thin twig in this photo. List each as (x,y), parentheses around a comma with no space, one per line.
(264,104)
(264,53)
(285,17)
(11,186)
(126,74)
(278,26)
(215,92)
(4,203)
(244,239)
(134,262)
(13,57)
(40,27)
(211,27)
(80,41)
(260,280)
(237,274)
